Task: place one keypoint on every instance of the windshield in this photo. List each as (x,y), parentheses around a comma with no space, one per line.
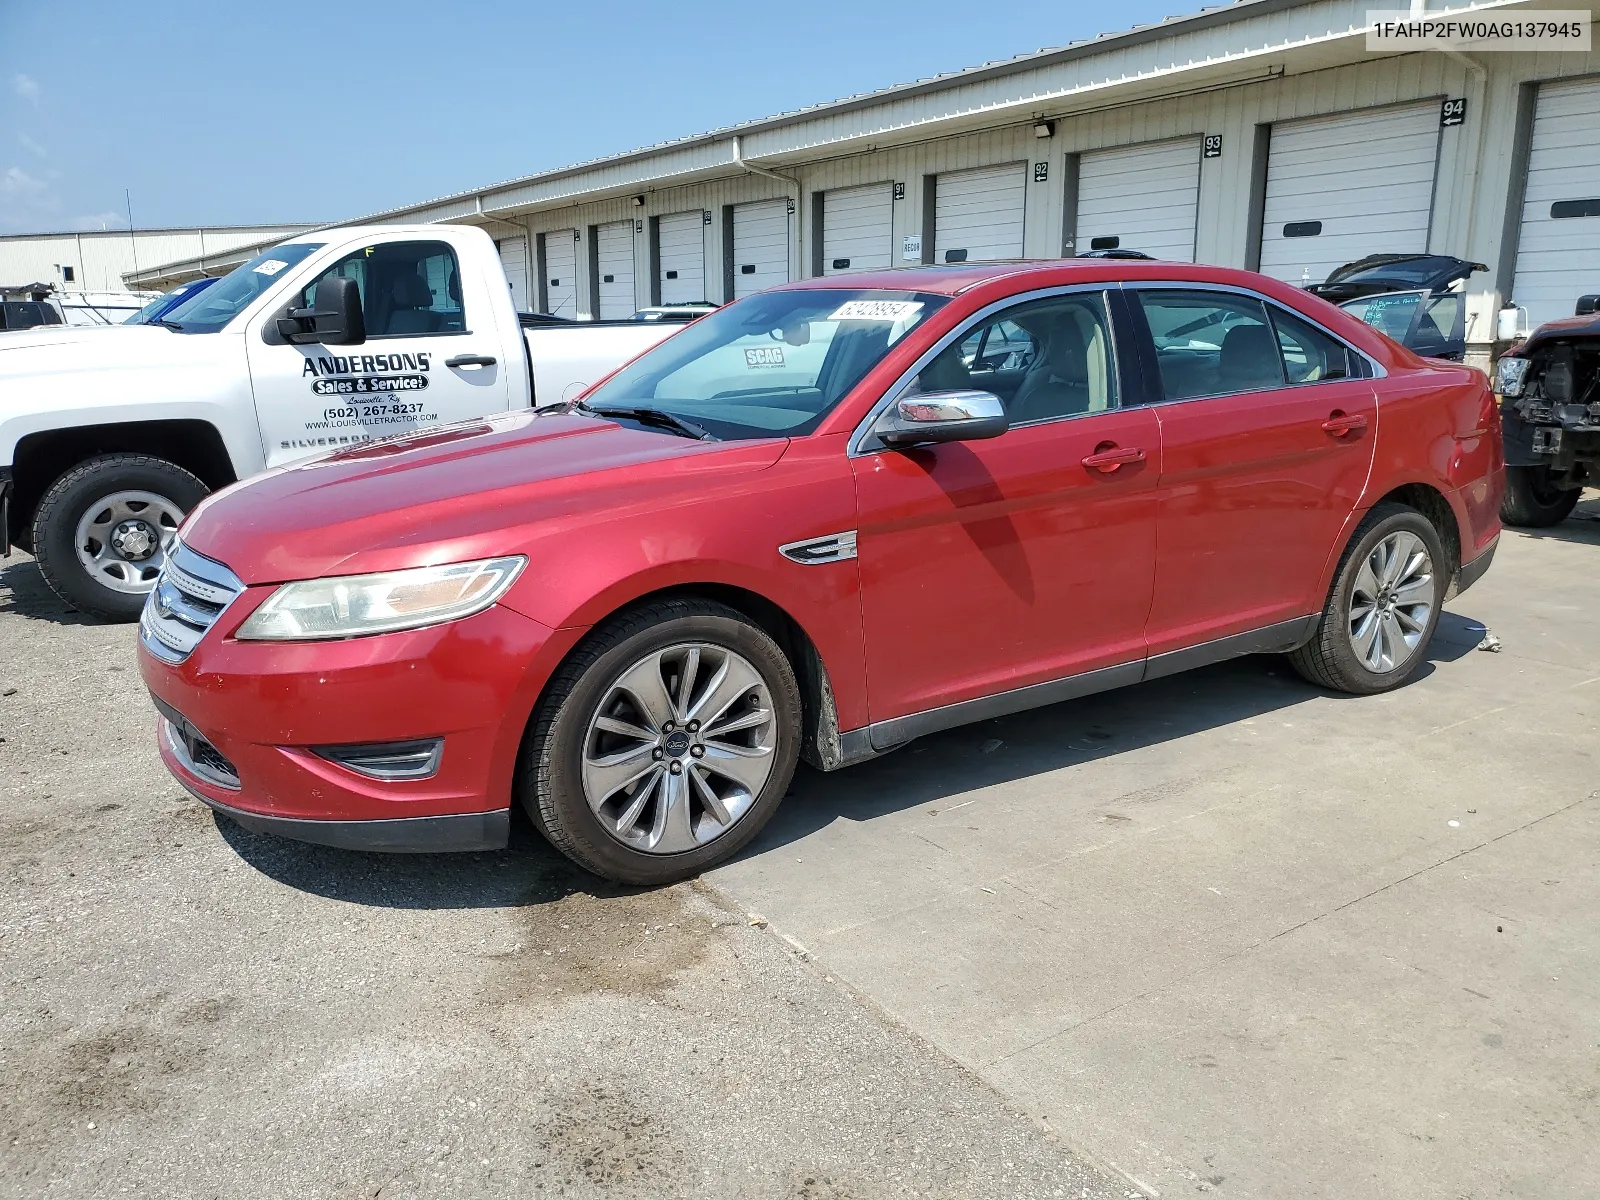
(211,309)
(163,302)
(771,365)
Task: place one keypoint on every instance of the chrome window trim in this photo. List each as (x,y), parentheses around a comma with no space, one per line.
(862,434)
(1375,368)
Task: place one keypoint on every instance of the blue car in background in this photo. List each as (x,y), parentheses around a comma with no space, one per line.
(167,301)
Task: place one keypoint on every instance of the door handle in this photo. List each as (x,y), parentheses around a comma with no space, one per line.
(470,360)
(1340,424)
(1107,459)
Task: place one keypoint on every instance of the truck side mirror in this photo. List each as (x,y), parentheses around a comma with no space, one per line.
(1587,306)
(334,318)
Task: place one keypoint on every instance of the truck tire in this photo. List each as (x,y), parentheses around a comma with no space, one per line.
(1532,501)
(663,744)
(1383,606)
(101,531)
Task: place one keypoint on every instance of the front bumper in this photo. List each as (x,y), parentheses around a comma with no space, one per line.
(246,727)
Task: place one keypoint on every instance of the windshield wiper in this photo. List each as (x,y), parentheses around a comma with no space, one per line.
(658,417)
(166,324)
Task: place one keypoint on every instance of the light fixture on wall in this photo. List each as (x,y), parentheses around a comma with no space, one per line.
(638,201)
(1044,129)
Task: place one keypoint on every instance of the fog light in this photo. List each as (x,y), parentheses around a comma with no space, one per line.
(388,760)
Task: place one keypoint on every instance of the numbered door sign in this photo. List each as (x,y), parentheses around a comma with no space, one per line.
(1213,146)
(1453,112)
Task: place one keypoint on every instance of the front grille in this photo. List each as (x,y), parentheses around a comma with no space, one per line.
(190,594)
(198,756)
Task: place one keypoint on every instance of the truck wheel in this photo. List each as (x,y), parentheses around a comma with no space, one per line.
(664,744)
(1533,501)
(1383,607)
(101,531)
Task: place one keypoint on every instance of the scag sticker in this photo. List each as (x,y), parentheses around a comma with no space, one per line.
(271,267)
(764,356)
(876,310)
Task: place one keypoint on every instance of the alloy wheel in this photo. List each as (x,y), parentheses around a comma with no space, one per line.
(122,539)
(679,748)
(1391,602)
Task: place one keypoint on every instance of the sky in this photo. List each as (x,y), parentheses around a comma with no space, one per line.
(228,114)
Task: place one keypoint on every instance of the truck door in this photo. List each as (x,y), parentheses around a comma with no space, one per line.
(431,356)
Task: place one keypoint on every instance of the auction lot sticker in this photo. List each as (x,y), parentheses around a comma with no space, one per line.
(875,310)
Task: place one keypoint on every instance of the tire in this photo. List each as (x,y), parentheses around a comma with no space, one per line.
(144,497)
(1333,658)
(660,827)
(1532,501)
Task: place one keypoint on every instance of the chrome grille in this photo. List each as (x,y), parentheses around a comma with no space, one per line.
(190,594)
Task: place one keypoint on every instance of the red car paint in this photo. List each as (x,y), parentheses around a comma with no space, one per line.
(1019,563)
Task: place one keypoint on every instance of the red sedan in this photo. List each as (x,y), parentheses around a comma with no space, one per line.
(817,523)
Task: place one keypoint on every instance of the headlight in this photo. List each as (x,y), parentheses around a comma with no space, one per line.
(1508,376)
(353,605)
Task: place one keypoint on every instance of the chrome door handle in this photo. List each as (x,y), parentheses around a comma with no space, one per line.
(1109,460)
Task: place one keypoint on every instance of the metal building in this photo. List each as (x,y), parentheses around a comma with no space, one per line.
(107,260)
(1261,134)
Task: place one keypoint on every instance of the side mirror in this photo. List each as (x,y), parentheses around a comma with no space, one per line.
(1587,306)
(334,318)
(960,416)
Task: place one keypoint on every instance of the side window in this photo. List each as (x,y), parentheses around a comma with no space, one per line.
(1044,358)
(1211,343)
(408,289)
(1309,355)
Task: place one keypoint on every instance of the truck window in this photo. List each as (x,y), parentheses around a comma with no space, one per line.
(408,289)
(212,309)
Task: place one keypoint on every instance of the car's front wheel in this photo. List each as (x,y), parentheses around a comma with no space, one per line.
(1383,608)
(1533,501)
(664,744)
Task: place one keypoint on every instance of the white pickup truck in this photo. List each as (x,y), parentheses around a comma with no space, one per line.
(109,436)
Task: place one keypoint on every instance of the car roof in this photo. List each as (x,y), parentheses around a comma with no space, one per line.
(955,278)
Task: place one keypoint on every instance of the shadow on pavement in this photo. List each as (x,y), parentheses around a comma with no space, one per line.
(24,592)
(1583,526)
(530,872)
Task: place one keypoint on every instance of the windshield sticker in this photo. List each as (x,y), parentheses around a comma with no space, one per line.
(763,356)
(271,267)
(876,310)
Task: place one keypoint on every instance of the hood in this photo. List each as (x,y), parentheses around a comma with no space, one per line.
(472,490)
(38,351)
(1568,329)
(1378,273)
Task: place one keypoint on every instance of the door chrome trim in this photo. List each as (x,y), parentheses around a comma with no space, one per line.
(882,736)
(862,434)
(831,548)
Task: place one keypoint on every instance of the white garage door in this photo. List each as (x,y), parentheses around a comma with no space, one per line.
(978,214)
(614,264)
(1140,198)
(1558,250)
(561,272)
(858,229)
(514,258)
(1340,188)
(760,246)
(681,248)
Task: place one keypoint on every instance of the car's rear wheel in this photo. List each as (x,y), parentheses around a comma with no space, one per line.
(102,529)
(664,744)
(1533,500)
(1383,608)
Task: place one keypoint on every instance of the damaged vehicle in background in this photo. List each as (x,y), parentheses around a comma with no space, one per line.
(1416,299)
(1550,411)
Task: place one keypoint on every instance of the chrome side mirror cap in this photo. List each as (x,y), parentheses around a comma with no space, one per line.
(928,417)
